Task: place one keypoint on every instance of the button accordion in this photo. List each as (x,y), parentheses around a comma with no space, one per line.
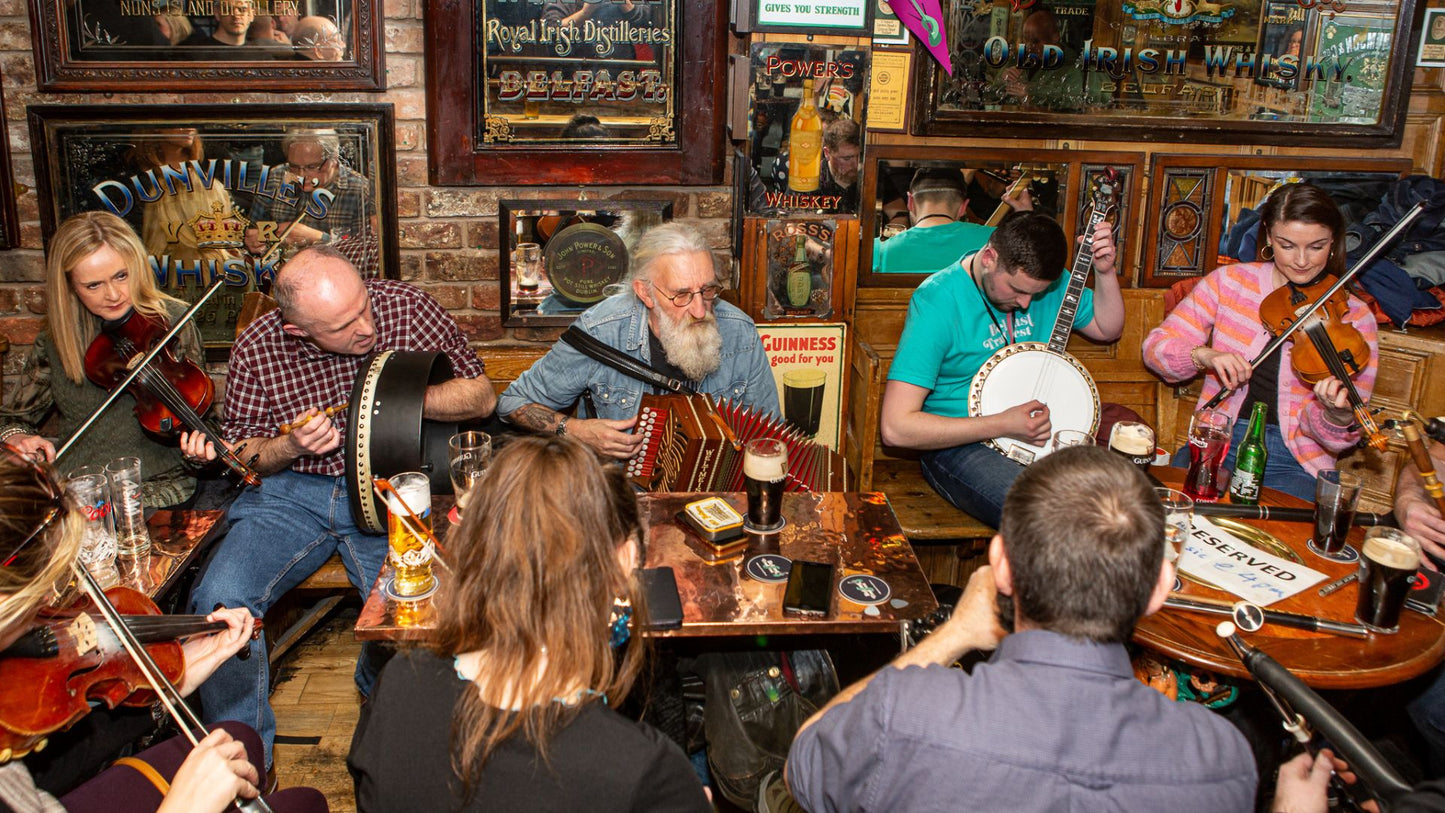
(689,443)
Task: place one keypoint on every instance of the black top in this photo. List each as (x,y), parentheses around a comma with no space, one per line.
(401,760)
(1263,386)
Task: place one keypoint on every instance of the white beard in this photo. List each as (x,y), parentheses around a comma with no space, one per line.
(693,345)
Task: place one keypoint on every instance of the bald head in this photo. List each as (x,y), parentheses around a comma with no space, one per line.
(324,300)
(318,38)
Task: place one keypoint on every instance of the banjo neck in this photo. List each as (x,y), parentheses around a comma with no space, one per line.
(1083,261)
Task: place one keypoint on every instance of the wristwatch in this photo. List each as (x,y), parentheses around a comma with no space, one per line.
(562,426)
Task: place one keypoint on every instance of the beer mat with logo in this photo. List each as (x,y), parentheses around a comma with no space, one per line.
(1425,589)
(864,589)
(1216,553)
(768,568)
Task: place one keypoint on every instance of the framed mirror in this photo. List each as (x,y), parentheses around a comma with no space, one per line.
(1200,215)
(9,222)
(1056,182)
(146,45)
(227,191)
(560,258)
(1297,72)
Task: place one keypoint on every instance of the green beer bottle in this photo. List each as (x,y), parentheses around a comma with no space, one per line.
(1249,463)
(800,276)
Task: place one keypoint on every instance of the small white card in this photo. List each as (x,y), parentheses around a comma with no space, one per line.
(1228,562)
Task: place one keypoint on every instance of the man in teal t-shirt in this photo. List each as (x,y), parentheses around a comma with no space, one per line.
(938,236)
(1007,292)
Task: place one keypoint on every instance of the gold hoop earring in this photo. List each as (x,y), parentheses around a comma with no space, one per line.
(1267,252)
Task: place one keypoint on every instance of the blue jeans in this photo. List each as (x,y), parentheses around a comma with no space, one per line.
(280,534)
(1281,471)
(973,477)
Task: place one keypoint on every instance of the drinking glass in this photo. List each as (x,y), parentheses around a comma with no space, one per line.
(127,508)
(1209,435)
(90,493)
(765,468)
(529,266)
(1135,441)
(411,554)
(1337,496)
(1072,437)
(1387,567)
(1178,520)
(468,454)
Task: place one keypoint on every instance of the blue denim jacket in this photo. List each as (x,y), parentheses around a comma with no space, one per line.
(558,379)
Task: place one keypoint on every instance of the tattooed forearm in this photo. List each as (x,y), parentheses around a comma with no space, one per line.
(535,417)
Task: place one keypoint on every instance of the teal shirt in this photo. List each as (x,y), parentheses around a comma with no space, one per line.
(949,335)
(923,251)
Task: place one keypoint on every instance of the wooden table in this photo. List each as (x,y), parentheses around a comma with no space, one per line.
(1320,660)
(177,539)
(855,532)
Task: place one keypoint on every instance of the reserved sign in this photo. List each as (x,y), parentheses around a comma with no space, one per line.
(1229,563)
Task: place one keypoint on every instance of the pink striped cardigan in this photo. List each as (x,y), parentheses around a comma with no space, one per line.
(1223,310)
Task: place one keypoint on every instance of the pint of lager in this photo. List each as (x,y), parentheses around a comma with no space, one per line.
(410,554)
(765,468)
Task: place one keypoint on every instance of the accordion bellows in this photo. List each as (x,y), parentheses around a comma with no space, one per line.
(691,444)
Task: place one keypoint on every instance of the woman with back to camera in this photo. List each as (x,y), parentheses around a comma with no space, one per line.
(1217,330)
(96,272)
(40,535)
(510,707)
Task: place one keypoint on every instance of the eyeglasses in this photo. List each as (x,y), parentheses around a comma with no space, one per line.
(52,493)
(684,298)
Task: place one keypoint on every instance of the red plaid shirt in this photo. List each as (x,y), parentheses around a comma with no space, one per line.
(274,376)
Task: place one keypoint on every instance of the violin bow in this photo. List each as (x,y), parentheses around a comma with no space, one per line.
(169,696)
(281,239)
(1369,257)
(136,370)
(393,500)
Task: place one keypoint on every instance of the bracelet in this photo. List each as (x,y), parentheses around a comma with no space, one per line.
(12,431)
(1193,359)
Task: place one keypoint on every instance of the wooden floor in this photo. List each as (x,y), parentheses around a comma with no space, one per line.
(316,705)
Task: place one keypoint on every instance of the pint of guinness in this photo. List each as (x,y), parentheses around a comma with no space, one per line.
(1390,557)
(1134,441)
(765,469)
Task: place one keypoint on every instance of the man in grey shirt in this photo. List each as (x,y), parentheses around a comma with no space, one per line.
(1054,720)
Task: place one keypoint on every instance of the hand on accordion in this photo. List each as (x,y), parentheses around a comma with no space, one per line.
(611,438)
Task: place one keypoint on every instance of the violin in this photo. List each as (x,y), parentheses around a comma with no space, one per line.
(50,676)
(170,392)
(1335,348)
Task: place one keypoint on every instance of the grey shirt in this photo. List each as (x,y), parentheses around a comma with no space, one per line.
(1048,723)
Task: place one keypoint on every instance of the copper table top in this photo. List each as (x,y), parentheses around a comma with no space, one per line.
(857,533)
(1319,659)
(177,538)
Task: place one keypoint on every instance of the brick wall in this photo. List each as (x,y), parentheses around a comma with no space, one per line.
(448,235)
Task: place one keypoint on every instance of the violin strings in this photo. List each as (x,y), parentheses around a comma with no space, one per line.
(177,403)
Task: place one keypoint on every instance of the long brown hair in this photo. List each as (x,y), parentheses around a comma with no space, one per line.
(27,496)
(1305,203)
(537,574)
(70,325)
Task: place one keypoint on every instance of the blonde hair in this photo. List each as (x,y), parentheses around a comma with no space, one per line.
(537,576)
(70,325)
(43,562)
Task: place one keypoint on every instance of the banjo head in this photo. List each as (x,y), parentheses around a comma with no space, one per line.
(1023,372)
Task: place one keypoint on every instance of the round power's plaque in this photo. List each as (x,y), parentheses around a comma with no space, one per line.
(583,259)
(864,589)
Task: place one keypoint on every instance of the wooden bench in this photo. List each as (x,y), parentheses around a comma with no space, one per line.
(926,518)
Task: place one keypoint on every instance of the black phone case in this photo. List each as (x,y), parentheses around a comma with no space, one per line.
(810,588)
(663,604)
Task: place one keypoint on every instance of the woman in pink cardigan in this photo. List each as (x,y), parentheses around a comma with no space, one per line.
(1216,331)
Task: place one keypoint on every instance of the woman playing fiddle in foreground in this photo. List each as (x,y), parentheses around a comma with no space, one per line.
(96,272)
(1217,329)
(39,536)
(509,707)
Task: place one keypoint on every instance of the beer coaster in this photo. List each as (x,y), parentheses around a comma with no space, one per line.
(1345,555)
(454,516)
(388,589)
(764,529)
(768,568)
(864,589)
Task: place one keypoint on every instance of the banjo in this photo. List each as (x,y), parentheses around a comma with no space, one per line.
(1026,371)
